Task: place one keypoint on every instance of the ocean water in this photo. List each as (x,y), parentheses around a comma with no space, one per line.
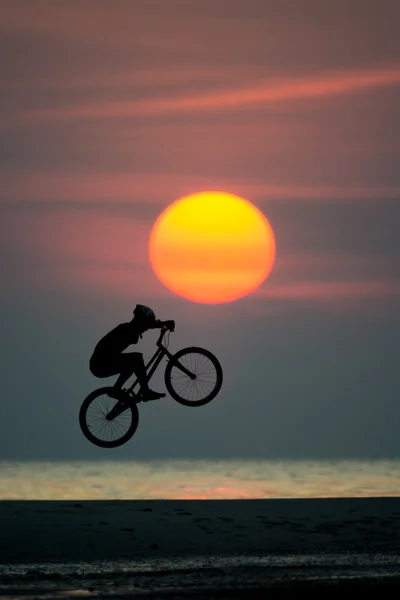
(204,578)
(198,479)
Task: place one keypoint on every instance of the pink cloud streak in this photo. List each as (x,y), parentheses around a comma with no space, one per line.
(288,89)
(329,290)
(163,188)
(84,251)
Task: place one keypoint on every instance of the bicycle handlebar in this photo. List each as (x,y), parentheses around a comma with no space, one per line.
(164,330)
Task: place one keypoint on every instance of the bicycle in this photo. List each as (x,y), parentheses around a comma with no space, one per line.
(204,370)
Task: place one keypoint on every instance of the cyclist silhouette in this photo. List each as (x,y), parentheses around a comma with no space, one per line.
(109,359)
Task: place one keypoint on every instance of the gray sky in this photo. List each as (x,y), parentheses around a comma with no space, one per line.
(112,110)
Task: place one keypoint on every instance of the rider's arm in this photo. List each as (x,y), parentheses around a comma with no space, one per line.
(158,324)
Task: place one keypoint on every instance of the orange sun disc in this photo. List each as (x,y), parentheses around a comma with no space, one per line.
(212,247)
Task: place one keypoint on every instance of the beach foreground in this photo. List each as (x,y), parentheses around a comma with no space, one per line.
(191,547)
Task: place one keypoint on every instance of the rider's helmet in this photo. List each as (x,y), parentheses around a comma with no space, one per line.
(144,314)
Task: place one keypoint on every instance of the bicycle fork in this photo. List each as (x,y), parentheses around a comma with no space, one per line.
(124,404)
(182,368)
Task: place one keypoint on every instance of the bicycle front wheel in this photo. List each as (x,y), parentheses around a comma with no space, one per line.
(107,421)
(193,377)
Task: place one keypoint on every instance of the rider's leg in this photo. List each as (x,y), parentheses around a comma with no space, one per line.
(132,362)
(141,374)
(123,377)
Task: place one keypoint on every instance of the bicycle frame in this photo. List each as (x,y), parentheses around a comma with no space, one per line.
(154,362)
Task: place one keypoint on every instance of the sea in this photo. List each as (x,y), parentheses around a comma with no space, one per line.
(211,576)
(198,479)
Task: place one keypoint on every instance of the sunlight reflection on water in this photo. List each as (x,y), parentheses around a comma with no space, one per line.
(198,479)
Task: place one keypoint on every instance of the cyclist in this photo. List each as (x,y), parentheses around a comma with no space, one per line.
(109,359)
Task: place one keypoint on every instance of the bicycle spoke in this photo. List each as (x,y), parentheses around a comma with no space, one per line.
(200,365)
(102,428)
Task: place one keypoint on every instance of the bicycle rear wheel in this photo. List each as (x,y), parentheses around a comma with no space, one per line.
(201,379)
(106,421)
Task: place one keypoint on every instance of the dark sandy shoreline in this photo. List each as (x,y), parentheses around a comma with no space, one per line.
(43,531)
(196,546)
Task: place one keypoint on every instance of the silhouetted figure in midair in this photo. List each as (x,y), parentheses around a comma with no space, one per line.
(110,359)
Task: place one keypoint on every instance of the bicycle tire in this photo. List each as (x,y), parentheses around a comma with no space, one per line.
(90,435)
(185,352)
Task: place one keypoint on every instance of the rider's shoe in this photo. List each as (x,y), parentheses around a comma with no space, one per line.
(151,395)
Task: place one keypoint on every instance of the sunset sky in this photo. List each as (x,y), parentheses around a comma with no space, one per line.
(112,110)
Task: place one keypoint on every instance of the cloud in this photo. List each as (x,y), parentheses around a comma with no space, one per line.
(329,290)
(103,77)
(78,251)
(162,188)
(87,251)
(261,94)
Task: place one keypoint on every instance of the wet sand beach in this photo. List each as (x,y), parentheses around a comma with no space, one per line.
(191,546)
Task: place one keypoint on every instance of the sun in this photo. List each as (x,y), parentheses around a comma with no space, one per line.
(212,247)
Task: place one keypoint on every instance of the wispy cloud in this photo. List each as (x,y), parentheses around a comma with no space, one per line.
(324,85)
(103,77)
(86,251)
(163,188)
(79,251)
(330,290)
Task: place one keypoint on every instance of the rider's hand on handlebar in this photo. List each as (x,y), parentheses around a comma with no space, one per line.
(170,325)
